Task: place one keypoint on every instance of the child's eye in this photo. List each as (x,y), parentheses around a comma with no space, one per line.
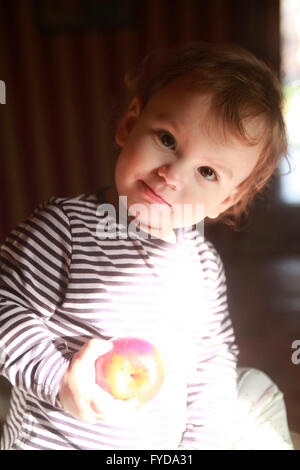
(167,139)
(207,173)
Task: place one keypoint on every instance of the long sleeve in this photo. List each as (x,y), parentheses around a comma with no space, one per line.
(61,285)
(33,277)
(212,389)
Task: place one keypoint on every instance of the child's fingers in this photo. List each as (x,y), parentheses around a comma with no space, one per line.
(84,360)
(94,348)
(107,407)
(122,410)
(93,404)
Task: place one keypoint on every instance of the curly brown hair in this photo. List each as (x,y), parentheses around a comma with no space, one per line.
(241,86)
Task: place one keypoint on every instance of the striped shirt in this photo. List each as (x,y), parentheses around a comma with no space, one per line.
(62,282)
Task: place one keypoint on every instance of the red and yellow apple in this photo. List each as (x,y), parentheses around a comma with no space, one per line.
(133,368)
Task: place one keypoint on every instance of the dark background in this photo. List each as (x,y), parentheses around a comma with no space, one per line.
(63,63)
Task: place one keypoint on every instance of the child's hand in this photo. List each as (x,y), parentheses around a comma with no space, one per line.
(82,397)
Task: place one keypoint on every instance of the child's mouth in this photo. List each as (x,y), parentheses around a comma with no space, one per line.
(152,195)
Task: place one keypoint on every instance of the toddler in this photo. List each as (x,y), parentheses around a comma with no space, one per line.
(202,134)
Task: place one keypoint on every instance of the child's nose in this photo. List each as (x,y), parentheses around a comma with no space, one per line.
(172,176)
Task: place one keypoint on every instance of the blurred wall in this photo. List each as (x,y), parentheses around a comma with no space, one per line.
(64,82)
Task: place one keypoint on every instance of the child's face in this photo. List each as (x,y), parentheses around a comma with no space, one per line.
(169,148)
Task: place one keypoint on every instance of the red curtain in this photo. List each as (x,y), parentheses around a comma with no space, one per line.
(62,85)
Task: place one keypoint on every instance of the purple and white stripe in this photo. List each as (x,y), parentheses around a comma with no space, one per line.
(60,285)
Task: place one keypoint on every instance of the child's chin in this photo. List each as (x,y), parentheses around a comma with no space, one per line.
(151,227)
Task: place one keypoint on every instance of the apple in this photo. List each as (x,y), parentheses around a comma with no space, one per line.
(133,368)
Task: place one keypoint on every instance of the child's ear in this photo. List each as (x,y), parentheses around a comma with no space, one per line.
(230,200)
(128,120)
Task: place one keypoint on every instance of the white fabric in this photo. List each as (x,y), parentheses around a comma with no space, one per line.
(261,421)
